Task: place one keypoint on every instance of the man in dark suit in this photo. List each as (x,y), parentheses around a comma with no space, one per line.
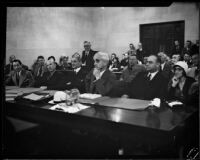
(149,85)
(100,80)
(52,79)
(80,73)
(19,76)
(140,52)
(176,48)
(165,67)
(87,56)
(39,67)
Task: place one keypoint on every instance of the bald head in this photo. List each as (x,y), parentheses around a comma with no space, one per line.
(101,60)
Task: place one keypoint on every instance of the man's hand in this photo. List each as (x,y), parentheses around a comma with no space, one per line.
(175,81)
(124,96)
(43,87)
(96,73)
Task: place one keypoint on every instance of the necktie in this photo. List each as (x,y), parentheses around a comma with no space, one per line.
(17,78)
(40,71)
(149,77)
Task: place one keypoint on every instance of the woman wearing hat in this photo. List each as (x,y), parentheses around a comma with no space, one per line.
(179,85)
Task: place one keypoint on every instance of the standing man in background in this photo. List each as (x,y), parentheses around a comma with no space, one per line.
(87,56)
(140,52)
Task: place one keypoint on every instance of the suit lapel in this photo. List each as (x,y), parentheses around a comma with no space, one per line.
(22,77)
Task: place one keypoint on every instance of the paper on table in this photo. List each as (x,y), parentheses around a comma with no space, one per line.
(10,98)
(171,104)
(89,96)
(24,90)
(70,109)
(33,97)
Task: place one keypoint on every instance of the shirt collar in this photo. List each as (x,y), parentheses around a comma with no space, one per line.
(77,69)
(101,73)
(152,74)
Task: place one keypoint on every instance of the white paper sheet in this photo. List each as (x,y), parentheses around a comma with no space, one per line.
(69,109)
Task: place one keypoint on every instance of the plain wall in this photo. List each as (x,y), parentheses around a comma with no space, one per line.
(33,31)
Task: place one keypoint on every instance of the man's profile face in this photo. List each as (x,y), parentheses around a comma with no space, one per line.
(175,58)
(195,59)
(152,64)
(75,63)
(51,66)
(99,63)
(16,66)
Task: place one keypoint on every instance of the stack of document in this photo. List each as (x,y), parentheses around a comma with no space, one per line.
(33,97)
(69,109)
(89,96)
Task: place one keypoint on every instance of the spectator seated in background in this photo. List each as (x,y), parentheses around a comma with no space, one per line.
(133,68)
(176,48)
(180,84)
(148,85)
(195,48)
(165,67)
(140,52)
(187,59)
(80,73)
(115,65)
(9,67)
(194,70)
(19,76)
(100,80)
(52,79)
(175,59)
(64,64)
(87,56)
(124,61)
(187,48)
(53,59)
(145,60)
(39,67)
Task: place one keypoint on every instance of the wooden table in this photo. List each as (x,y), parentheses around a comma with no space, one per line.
(156,128)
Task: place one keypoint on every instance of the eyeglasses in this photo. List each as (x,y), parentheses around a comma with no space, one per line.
(97,60)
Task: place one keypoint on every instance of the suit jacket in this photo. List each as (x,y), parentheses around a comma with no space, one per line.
(88,59)
(142,88)
(128,74)
(25,80)
(79,80)
(57,81)
(35,70)
(140,55)
(167,71)
(103,85)
(172,91)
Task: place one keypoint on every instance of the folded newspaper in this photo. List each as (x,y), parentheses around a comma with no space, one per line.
(89,96)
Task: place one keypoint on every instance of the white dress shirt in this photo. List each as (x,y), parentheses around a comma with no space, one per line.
(152,75)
